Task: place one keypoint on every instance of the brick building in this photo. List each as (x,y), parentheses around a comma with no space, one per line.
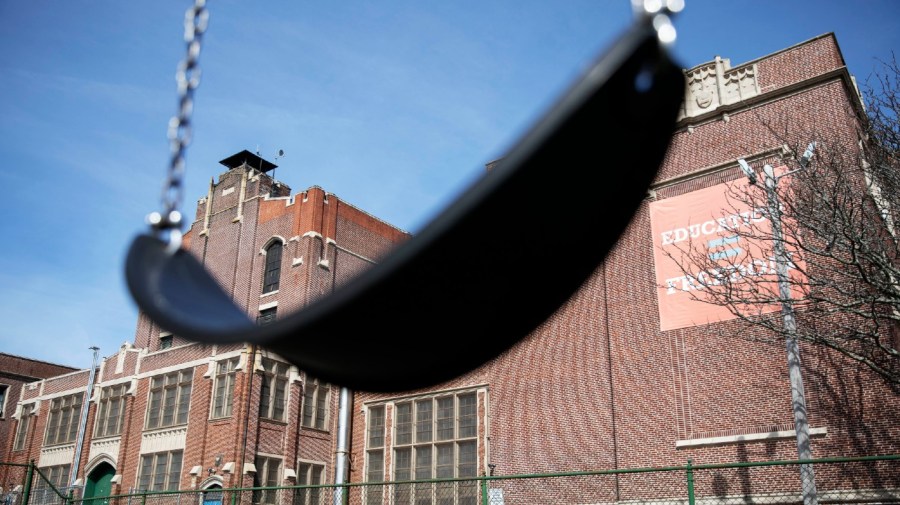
(15,373)
(609,381)
(166,413)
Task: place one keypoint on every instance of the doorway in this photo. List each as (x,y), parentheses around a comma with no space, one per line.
(99,484)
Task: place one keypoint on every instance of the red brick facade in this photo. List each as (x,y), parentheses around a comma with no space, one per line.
(15,373)
(597,386)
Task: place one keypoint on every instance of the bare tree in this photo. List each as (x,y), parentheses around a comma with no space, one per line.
(839,214)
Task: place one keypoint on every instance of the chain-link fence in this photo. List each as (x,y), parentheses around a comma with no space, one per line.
(872,480)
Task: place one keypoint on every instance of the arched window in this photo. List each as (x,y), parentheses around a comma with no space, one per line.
(273,267)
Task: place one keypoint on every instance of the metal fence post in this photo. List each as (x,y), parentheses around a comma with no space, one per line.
(26,488)
(484,492)
(690,482)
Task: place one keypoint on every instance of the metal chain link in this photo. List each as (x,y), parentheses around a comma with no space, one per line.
(179,133)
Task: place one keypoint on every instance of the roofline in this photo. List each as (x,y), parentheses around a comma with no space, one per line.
(34,360)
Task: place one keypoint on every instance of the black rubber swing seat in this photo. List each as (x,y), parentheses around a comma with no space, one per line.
(488,270)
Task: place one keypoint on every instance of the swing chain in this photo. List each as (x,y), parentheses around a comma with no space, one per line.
(179,132)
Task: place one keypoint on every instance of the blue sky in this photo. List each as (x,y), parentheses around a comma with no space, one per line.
(393,106)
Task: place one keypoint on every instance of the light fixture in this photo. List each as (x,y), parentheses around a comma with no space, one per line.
(747,170)
(807,155)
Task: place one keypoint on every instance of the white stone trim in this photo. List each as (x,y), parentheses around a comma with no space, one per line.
(106,447)
(749,437)
(172,439)
(56,455)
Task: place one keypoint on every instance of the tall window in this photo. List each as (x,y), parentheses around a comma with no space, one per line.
(110,411)
(274,389)
(25,420)
(374,454)
(309,474)
(273,267)
(160,471)
(435,438)
(315,403)
(266,476)
(170,397)
(56,476)
(223,390)
(62,421)
(4,390)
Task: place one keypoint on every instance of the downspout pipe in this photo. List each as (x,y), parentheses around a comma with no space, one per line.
(340,466)
(82,423)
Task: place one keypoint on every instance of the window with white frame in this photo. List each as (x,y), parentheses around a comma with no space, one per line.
(436,438)
(272,272)
(160,471)
(24,426)
(315,403)
(374,454)
(170,397)
(309,474)
(223,388)
(273,392)
(62,419)
(266,476)
(110,411)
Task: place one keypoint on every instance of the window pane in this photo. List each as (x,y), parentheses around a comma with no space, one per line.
(403,464)
(278,401)
(174,470)
(467,416)
(159,472)
(146,470)
(423,462)
(375,471)
(265,396)
(321,400)
(376,427)
(444,467)
(184,403)
(308,403)
(445,418)
(424,421)
(404,423)
(168,414)
(467,458)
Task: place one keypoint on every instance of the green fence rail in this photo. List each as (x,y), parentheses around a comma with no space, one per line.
(872,479)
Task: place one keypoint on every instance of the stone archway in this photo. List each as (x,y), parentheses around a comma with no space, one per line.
(99,484)
(212,495)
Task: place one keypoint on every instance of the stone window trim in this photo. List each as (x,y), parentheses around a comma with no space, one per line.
(309,473)
(109,417)
(162,402)
(271,275)
(267,472)
(314,405)
(160,471)
(224,374)
(63,416)
(275,381)
(25,414)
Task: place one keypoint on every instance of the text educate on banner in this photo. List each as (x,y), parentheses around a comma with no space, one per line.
(707,221)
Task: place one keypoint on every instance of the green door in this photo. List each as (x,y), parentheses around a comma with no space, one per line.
(99,484)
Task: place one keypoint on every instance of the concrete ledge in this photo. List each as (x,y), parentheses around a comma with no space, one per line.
(749,437)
